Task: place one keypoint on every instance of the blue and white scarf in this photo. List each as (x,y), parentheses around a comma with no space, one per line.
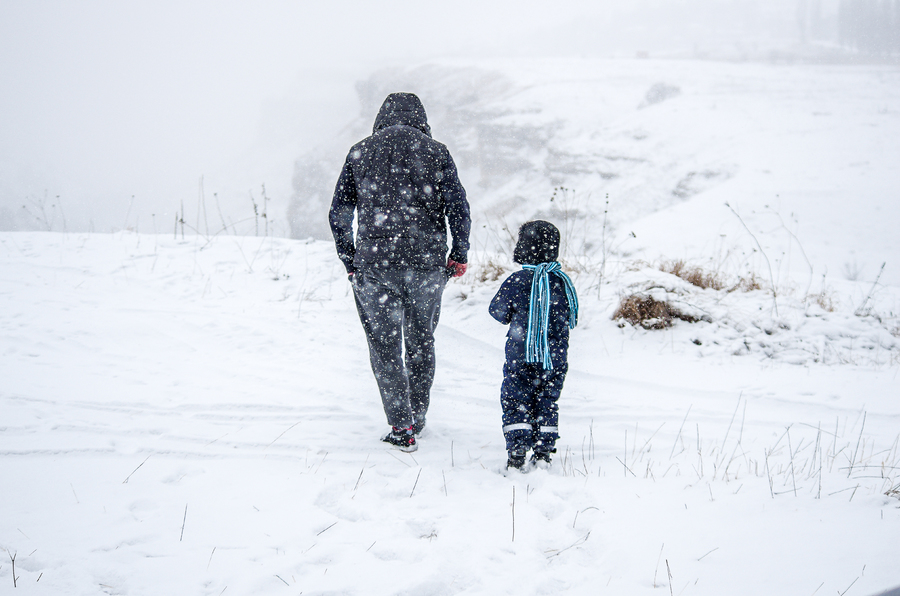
(537,344)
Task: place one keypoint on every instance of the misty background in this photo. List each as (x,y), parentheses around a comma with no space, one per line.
(124,115)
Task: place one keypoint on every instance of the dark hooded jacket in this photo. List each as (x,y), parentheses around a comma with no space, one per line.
(405,190)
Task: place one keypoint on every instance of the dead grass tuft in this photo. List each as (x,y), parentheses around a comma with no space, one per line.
(489,271)
(694,275)
(636,265)
(713,280)
(824,299)
(648,313)
(894,491)
(747,284)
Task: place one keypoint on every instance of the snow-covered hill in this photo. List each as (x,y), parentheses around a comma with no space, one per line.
(805,154)
(779,173)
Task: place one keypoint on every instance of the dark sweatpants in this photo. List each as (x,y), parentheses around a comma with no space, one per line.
(399,310)
(530,412)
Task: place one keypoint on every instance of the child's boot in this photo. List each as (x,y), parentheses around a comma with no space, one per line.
(542,458)
(516,459)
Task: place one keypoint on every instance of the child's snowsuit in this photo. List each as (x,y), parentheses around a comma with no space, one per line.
(530,390)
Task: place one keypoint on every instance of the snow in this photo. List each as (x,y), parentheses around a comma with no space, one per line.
(190,417)
(197,414)
(804,154)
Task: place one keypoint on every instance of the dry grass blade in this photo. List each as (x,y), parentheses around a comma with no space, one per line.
(136,469)
(577,543)
(416,483)
(669,571)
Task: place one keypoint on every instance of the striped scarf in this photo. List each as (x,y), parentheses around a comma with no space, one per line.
(537,344)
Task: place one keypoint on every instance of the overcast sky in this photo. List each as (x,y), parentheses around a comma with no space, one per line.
(103,100)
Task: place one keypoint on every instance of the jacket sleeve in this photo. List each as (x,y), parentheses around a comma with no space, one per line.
(456,208)
(343,204)
(502,307)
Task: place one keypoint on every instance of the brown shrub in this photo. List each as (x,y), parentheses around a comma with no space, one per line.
(648,313)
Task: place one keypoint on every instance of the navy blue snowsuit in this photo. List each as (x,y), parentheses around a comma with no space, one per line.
(529,393)
(403,187)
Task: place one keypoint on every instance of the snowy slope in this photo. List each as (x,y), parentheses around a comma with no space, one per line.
(806,154)
(193,417)
(786,173)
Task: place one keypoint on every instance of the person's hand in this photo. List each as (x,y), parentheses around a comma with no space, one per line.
(458,269)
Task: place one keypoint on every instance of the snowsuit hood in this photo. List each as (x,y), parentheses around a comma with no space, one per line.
(402,109)
(538,243)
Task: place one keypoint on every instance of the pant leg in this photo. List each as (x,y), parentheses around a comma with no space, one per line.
(545,409)
(379,302)
(516,395)
(422,309)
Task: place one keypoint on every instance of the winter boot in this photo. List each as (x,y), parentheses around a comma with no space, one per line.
(542,457)
(402,438)
(516,459)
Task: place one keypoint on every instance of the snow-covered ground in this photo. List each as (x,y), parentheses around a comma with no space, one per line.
(184,417)
(197,415)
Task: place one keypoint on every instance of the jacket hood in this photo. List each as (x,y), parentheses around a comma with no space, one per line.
(402,108)
(538,243)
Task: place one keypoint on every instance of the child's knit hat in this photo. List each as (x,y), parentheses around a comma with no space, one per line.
(538,243)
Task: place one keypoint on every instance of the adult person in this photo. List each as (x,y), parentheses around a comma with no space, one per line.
(404,189)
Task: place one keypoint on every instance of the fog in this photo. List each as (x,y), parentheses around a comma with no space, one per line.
(115,114)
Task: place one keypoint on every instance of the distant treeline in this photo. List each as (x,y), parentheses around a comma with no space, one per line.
(870,26)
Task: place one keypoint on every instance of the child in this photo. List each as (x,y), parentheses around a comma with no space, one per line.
(540,306)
